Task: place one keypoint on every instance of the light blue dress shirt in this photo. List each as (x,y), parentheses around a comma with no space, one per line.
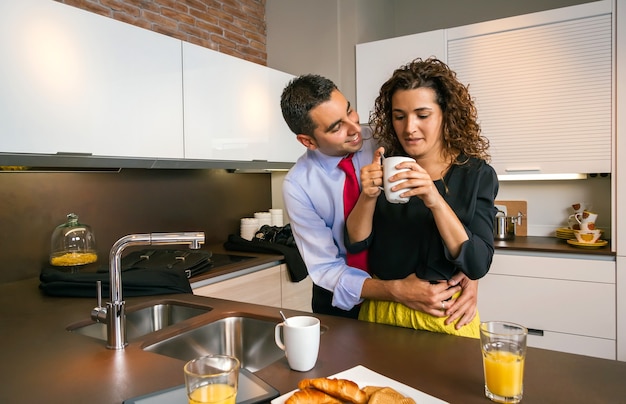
(313,197)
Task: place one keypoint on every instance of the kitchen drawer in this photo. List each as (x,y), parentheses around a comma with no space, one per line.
(573,267)
(576,344)
(572,307)
(570,298)
(261,287)
(295,295)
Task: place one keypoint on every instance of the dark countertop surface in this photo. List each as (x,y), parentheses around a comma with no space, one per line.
(256,260)
(43,362)
(548,245)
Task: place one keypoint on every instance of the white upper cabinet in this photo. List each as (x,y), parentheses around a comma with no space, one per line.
(376,61)
(542,82)
(283,147)
(76,82)
(543,87)
(232,109)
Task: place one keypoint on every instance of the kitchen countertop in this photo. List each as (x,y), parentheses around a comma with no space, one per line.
(526,244)
(42,362)
(547,245)
(257,260)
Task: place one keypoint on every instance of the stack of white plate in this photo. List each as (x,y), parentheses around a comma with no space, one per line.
(277,217)
(249,227)
(265,218)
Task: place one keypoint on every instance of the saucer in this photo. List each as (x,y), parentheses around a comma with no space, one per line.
(597,244)
(565,233)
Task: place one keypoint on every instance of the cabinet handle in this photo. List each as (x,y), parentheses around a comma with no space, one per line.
(535,331)
(523,170)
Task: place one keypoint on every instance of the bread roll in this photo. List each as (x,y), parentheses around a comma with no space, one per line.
(345,390)
(311,396)
(339,391)
(387,395)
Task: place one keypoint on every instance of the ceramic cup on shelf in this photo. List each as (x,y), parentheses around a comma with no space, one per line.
(587,236)
(587,220)
(578,207)
(573,221)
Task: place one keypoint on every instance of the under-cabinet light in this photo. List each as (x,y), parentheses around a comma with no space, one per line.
(541,177)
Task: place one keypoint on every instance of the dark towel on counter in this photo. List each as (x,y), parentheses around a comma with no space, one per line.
(135,282)
(295,264)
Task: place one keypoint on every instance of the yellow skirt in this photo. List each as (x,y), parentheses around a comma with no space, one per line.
(392,313)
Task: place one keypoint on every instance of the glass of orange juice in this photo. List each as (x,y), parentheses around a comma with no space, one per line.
(212,379)
(503,346)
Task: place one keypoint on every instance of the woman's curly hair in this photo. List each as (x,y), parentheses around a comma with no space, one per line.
(461,131)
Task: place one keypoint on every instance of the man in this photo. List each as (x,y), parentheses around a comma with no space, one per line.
(325,123)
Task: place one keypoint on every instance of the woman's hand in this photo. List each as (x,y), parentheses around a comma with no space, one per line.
(464,307)
(418,183)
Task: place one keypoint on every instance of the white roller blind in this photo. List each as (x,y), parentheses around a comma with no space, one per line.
(543,94)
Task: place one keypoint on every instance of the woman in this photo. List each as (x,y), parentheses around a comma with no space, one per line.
(424,112)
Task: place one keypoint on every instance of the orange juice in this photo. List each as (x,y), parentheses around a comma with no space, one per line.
(504,373)
(213,394)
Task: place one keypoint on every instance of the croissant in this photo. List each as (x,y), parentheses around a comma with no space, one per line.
(387,395)
(345,390)
(311,396)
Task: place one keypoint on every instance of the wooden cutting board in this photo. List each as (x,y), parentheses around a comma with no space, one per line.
(512,209)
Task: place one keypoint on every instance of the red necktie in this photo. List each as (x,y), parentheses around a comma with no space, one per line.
(351,193)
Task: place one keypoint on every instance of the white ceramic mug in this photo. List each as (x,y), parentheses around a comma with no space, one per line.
(301,344)
(587,220)
(389,170)
(573,221)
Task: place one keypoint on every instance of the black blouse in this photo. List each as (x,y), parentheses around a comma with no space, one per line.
(405,239)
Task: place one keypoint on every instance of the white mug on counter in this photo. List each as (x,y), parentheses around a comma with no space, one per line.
(300,341)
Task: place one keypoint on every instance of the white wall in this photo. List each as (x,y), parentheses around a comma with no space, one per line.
(318,36)
(420,16)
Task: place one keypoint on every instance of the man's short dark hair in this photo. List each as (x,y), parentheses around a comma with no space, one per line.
(300,96)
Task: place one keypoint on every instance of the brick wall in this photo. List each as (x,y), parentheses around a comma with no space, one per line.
(234,27)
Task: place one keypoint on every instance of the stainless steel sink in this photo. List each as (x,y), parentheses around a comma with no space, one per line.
(144,321)
(249,339)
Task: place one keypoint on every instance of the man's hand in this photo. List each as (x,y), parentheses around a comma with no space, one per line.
(372,175)
(464,307)
(422,295)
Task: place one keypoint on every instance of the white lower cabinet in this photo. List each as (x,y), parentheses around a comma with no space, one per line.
(268,287)
(568,304)
(295,295)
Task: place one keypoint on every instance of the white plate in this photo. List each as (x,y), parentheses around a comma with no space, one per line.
(366,377)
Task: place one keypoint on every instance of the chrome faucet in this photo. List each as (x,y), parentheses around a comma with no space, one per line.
(113,314)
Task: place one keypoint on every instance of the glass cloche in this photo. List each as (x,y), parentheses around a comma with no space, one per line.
(73,244)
